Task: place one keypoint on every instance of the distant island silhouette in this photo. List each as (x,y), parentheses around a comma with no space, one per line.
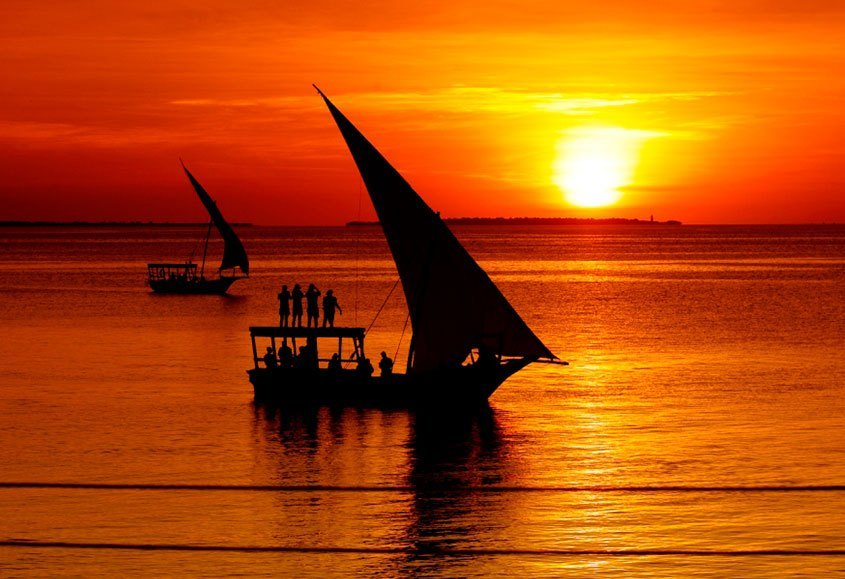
(108,224)
(536,221)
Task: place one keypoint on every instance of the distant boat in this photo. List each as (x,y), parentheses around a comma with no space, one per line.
(467,338)
(187,278)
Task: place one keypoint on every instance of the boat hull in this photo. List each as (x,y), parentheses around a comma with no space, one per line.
(217,286)
(451,387)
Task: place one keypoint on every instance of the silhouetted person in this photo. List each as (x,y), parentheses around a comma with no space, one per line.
(308,357)
(285,355)
(486,358)
(296,298)
(301,360)
(385,365)
(329,306)
(284,306)
(270,358)
(311,348)
(313,308)
(334,363)
(364,367)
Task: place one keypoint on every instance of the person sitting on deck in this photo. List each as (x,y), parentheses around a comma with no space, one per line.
(385,365)
(334,363)
(296,298)
(284,306)
(285,355)
(313,307)
(329,306)
(365,367)
(270,358)
(300,361)
(307,357)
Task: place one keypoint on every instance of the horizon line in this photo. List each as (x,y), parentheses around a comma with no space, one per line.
(366,223)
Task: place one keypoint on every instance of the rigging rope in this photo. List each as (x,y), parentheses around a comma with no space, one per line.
(384,303)
(402,335)
(194,250)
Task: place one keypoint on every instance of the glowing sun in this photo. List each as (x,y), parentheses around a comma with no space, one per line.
(593,164)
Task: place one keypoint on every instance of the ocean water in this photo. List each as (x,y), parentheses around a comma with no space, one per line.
(702,359)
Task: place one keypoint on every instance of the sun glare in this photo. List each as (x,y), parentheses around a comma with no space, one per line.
(593,164)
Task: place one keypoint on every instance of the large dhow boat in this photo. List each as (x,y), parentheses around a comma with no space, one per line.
(467,338)
(187,277)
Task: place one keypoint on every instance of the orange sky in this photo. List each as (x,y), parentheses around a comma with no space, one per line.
(735,107)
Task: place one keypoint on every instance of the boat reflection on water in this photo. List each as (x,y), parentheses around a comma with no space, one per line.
(434,462)
(448,459)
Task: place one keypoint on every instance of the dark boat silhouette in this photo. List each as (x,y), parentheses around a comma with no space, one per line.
(467,339)
(186,278)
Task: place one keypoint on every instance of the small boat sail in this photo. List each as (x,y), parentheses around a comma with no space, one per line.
(183,278)
(467,338)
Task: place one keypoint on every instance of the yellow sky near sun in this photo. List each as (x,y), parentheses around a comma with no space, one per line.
(721,111)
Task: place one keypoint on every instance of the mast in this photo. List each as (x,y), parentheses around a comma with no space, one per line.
(453,304)
(205,249)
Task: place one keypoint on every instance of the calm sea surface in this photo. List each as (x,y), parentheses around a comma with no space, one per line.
(700,357)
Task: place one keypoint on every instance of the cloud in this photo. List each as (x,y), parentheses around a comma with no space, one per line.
(459,99)
(61,134)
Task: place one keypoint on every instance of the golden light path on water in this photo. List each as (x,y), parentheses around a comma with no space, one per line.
(594,163)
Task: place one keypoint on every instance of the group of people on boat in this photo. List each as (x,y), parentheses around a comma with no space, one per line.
(311,296)
(307,358)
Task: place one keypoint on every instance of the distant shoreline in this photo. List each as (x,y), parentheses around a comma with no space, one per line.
(470,221)
(108,224)
(535,221)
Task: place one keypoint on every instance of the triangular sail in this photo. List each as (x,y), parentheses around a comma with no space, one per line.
(234,254)
(454,306)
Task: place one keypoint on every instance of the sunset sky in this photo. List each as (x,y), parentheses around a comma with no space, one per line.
(704,111)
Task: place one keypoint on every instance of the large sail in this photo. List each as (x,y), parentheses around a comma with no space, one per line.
(234,254)
(454,306)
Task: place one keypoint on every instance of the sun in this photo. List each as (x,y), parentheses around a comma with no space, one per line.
(593,164)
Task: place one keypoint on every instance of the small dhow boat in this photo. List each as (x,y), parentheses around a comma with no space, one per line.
(467,338)
(185,278)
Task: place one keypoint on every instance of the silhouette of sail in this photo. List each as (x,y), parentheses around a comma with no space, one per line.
(234,254)
(454,306)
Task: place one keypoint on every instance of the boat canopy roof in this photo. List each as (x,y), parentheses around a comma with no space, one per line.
(289,332)
(172,265)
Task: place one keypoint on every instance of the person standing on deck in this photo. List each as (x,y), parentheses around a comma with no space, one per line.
(385,365)
(284,306)
(329,306)
(296,297)
(313,307)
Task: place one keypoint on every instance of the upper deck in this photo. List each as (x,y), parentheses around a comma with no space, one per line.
(172,265)
(300,332)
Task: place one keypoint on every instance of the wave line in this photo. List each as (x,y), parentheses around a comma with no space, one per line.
(425,488)
(427,550)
